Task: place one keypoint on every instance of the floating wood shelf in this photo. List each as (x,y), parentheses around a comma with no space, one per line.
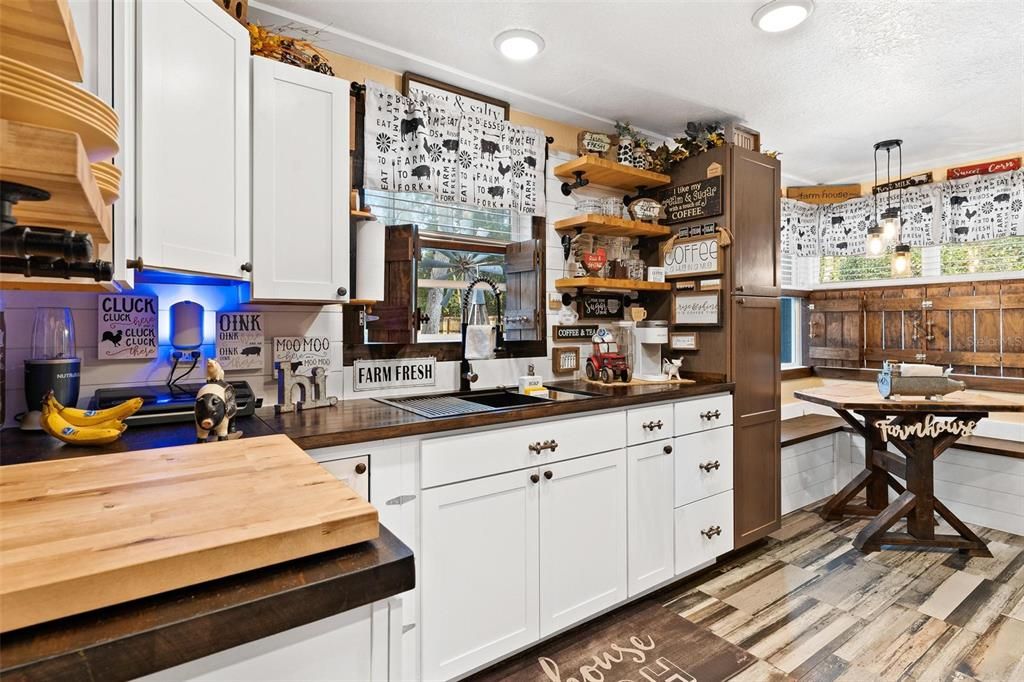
(362,215)
(55,161)
(42,33)
(610,225)
(360,301)
(616,284)
(14,282)
(605,173)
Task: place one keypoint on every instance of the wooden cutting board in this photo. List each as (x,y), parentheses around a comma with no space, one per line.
(83,533)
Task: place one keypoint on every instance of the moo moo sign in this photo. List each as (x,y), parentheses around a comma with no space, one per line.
(370,375)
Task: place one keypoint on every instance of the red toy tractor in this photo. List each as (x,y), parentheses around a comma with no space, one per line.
(606,361)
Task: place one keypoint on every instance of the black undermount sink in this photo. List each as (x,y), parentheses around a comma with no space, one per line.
(502,399)
(439,405)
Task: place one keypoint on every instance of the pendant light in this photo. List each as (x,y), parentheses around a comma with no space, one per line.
(901,260)
(888,225)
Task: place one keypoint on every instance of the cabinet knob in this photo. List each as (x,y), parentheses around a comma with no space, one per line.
(739,289)
(740,301)
(534,478)
(709,415)
(342,291)
(360,468)
(651,426)
(135,264)
(711,532)
(548,474)
(708,466)
(667,449)
(246,267)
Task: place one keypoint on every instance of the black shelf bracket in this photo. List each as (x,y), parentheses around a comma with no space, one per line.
(567,187)
(641,192)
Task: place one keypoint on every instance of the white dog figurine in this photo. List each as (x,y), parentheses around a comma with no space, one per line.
(671,367)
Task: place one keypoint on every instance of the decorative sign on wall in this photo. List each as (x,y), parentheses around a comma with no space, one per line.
(600,307)
(459,99)
(565,360)
(655,274)
(683,341)
(576,332)
(697,200)
(903,183)
(697,230)
(596,144)
(697,309)
(710,284)
(371,375)
(823,194)
(692,256)
(126,327)
(240,340)
(311,351)
(983,168)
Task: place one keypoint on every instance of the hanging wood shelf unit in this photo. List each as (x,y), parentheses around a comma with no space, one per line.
(610,284)
(611,226)
(600,172)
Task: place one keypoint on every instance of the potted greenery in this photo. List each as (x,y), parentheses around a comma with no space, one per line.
(628,137)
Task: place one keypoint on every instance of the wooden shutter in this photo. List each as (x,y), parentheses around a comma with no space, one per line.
(397,315)
(524,295)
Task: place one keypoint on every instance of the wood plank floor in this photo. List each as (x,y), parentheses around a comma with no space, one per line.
(811,607)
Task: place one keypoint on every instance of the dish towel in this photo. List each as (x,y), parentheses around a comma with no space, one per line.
(478,341)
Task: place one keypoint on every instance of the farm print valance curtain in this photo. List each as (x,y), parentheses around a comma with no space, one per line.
(425,146)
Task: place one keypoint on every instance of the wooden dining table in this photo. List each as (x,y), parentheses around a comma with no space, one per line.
(920,430)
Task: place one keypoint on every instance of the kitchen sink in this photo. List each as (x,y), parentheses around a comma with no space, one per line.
(440,405)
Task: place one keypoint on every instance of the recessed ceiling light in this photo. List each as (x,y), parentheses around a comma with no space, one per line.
(782,15)
(519,44)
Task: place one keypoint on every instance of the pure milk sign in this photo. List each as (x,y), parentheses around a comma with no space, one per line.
(310,351)
(368,375)
(240,340)
(126,327)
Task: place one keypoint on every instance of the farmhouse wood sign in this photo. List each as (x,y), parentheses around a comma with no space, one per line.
(575,332)
(240,340)
(823,194)
(369,375)
(310,351)
(697,230)
(695,201)
(683,341)
(692,256)
(465,101)
(697,309)
(126,327)
(600,307)
(565,360)
(983,168)
(903,183)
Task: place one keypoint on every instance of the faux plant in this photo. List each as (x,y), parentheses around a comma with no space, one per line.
(626,129)
(270,43)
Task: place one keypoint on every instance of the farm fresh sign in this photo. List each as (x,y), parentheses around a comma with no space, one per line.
(126,327)
(693,256)
(369,375)
(695,201)
(240,340)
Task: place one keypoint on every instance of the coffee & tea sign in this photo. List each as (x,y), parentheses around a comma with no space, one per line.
(240,340)
(126,327)
(695,201)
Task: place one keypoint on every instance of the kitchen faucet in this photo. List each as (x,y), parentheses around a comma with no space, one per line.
(466,374)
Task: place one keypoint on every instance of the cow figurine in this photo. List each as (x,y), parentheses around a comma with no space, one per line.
(215,408)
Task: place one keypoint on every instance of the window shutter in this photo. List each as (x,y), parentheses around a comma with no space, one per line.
(524,295)
(397,315)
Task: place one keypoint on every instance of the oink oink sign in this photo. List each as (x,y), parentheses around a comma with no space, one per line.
(368,375)
(240,340)
(126,327)
(311,351)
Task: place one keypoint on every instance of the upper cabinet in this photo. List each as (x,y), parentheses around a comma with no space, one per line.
(192,124)
(755,180)
(300,184)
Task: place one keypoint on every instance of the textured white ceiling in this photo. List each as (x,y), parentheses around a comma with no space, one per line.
(947,76)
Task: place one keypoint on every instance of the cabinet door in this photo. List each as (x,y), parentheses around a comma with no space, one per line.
(300,184)
(582,538)
(757,462)
(650,515)
(703,531)
(353,472)
(756,188)
(193,137)
(478,572)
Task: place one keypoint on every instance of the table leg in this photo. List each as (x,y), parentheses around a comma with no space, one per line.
(877,487)
(920,482)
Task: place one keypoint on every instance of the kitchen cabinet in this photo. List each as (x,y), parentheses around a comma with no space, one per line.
(703,465)
(755,181)
(703,531)
(192,138)
(479,571)
(650,515)
(582,538)
(353,471)
(300,184)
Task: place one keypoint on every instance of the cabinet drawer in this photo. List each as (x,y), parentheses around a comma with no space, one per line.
(353,472)
(703,465)
(646,424)
(697,521)
(472,455)
(701,414)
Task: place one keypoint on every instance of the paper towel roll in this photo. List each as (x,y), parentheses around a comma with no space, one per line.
(370,260)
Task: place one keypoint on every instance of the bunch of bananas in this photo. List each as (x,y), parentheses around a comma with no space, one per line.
(86,427)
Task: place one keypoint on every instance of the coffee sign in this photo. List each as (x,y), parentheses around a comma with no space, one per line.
(240,340)
(694,256)
(126,327)
(695,201)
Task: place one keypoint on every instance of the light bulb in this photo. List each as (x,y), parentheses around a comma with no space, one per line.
(890,223)
(875,242)
(782,15)
(901,260)
(519,44)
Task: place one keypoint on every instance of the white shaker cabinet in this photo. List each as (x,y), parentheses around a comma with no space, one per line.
(478,572)
(582,538)
(651,515)
(192,156)
(300,184)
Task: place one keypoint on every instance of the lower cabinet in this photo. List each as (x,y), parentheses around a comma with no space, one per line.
(651,556)
(353,472)
(509,558)
(703,531)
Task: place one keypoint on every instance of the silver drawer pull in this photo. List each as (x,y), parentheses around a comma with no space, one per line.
(651,426)
(711,532)
(537,448)
(709,415)
(708,466)
(401,499)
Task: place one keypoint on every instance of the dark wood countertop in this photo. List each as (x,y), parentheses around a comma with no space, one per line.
(146,635)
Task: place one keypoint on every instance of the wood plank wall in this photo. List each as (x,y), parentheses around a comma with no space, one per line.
(978,327)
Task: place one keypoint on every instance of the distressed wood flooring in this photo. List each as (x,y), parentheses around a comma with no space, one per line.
(810,607)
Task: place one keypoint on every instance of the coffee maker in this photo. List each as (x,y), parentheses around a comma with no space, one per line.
(648,338)
(52,364)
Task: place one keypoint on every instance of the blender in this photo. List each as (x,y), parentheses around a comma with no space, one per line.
(52,365)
